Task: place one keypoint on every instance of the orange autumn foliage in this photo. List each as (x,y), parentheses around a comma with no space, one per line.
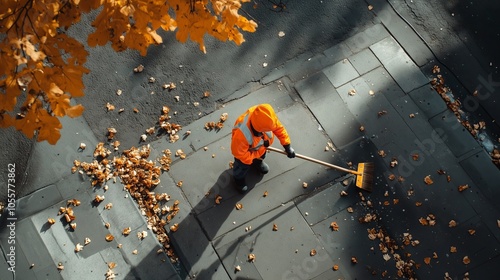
(44,67)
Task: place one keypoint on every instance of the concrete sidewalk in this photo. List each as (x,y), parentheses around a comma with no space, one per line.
(377,79)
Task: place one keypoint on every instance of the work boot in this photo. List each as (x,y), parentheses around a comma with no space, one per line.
(242,189)
(264,168)
(241,185)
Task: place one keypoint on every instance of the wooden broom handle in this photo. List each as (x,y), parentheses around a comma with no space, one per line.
(315,161)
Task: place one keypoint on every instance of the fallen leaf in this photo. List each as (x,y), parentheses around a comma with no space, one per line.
(361,128)
(110,107)
(78,247)
(109,237)
(354,260)
(108,206)
(391,177)
(179,184)
(251,258)
(370,7)
(453,249)
(427,260)
(462,188)
(312,253)
(466,260)
(60,266)
(99,198)
(174,227)
(304,185)
(87,241)
(218,199)
(142,234)
(452,223)
(51,221)
(281,34)
(237,268)
(275,227)
(335,267)
(111,265)
(265,194)
(238,206)
(139,68)
(394,162)
(206,94)
(334,226)
(472,231)
(428,180)
(350,210)
(135,252)
(72,226)
(126,231)
(351,92)
(382,153)
(381,113)
(415,156)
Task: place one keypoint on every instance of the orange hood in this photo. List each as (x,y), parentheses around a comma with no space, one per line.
(263,118)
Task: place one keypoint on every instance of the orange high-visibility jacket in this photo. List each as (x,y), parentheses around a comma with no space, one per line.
(245,146)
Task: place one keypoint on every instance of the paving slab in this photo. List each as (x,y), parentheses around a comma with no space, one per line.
(326,203)
(428,139)
(364,61)
(380,81)
(381,128)
(279,254)
(428,100)
(60,242)
(403,33)
(37,201)
(196,252)
(486,175)
(351,240)
(340,73)
(315,87)
(337,53)
(337,121)
(399,64)
(52,162)
(369,36)
(454,134)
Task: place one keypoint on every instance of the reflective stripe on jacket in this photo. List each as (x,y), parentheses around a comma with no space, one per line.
(245,146)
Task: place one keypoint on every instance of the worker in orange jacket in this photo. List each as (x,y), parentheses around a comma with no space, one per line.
(252,133)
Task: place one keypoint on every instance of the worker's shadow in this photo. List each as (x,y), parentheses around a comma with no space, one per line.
(193,239)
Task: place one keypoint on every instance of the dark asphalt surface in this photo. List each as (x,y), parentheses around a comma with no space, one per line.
(309,26)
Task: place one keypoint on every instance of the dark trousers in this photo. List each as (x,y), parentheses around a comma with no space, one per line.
(240,169)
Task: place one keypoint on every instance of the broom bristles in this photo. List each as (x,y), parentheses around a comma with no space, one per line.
(366,182)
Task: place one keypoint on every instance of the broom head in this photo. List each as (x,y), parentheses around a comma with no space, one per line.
(364,178)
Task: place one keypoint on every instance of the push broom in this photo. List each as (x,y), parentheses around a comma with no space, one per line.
(364,174)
